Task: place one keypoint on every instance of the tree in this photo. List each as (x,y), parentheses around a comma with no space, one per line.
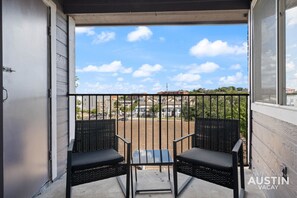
(221,107)
(154,109)
(77,109)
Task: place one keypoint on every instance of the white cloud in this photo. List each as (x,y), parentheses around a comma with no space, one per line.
(238,78)
(89,31)
(141,33)
(218,47)
(120,79)
(207,67)
(187,86)
(290,66)
(148,80)
(209,82)
(147,70)
(157,87)
(104,37)
(126,70)
(113,67)
(118,87)
(190,86)
(186,77)
(162,39)
(235,67)
(291,18)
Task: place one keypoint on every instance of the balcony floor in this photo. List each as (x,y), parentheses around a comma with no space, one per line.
(109,188)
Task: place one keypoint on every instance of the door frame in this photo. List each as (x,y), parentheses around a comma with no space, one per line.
(53,89)
(1,109)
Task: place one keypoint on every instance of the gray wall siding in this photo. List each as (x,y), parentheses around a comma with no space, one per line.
(274,143)
(62,90)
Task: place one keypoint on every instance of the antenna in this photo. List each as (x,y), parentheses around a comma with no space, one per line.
(167,87)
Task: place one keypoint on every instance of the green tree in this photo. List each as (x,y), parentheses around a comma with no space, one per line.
(154,110)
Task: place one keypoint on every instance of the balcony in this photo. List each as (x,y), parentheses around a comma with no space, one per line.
(153,121)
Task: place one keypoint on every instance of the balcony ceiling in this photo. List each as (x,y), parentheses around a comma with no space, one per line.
(137,12)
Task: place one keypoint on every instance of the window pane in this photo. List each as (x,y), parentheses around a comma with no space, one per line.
(291,52)
(264,51)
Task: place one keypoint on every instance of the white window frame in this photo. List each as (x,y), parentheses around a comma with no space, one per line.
(279,110)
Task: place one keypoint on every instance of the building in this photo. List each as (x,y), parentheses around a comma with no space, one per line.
(180,92)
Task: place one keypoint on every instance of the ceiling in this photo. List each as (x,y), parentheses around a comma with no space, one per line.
(154,12)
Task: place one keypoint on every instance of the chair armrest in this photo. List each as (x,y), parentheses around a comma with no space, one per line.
(235,152)
(184,137)
(178,140)
(237,146)
(71,145)
(123,139)
(128,148)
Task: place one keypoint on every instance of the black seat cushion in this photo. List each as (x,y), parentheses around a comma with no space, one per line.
(95,158)
(207,158)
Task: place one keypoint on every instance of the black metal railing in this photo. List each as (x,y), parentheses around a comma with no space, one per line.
(153,121)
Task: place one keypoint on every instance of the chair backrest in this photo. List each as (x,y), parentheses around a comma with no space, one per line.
(216,134)
(92,135)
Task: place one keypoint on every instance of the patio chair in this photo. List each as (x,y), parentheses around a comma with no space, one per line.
(214,156)
(93,155)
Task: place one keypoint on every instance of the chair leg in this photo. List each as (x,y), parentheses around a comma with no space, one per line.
(128,183)
(175,181)
(169,173)
(135,173)
(68,187)
(235,187)
(132,182)
(241,171)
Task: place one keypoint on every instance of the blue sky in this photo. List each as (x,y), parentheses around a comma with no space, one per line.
(137,59)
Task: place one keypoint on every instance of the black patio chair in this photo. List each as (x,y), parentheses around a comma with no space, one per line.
(214,156)
(93,155)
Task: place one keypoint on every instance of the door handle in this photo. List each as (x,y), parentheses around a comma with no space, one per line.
(6,95)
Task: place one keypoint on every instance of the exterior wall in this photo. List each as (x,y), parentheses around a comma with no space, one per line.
(62,90)
(274,144)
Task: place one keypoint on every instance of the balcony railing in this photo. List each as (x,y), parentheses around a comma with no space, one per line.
(153,121)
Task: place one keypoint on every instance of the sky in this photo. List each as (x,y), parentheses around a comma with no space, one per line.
(149,59)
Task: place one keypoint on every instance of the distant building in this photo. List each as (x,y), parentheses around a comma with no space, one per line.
(89,102)
(289,90)
(181,92)
(171,111)
(292,99)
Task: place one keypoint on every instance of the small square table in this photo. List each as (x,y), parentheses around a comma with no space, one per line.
(151,158)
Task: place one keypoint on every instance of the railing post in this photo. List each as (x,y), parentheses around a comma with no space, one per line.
(160,122)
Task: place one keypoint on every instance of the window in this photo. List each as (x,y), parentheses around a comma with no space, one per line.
(274,78)
(264,51)
(291,52)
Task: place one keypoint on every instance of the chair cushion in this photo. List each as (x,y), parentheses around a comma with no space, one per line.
(96,158)
(207,158)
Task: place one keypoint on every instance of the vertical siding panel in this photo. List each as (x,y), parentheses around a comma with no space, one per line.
(274,144)
(62,90)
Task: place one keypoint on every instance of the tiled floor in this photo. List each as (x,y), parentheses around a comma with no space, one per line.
(109,188)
